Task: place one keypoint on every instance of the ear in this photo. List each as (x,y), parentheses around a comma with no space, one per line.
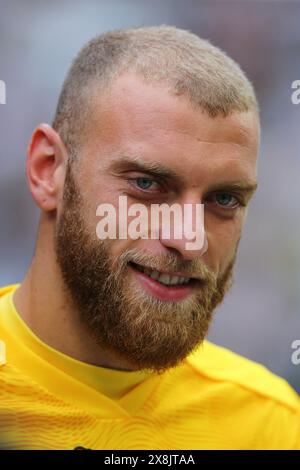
(45,168)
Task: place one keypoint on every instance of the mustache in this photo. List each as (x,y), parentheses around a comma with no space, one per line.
(195,268)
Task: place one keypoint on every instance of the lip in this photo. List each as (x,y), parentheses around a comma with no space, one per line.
(177,273)
(156,289)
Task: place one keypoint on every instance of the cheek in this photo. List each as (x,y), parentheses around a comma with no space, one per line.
(101,211)
(223,237)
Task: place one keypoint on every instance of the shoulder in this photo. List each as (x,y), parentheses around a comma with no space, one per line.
(13,382)
(219,364)
(6,289)
(261,408)
(5,293)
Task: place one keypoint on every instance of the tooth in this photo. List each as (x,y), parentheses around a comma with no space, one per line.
(174,280)
(154,274)
(164,278)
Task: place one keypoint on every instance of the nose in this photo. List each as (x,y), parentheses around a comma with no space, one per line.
(185,231)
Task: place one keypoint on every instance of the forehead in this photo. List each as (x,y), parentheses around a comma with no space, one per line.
(149,121)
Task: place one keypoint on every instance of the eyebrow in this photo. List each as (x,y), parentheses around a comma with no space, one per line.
(243,187)
(156,169)
(126,163)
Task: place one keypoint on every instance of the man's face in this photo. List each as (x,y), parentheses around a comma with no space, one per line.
(197,159)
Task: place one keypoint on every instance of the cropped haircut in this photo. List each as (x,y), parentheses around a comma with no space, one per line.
(185,63)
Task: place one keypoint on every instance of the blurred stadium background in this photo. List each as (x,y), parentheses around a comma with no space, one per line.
(260,318)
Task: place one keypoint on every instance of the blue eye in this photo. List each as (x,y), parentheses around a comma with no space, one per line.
(226,200)
(144,183)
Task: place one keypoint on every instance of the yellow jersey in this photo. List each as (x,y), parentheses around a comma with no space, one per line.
(215,399)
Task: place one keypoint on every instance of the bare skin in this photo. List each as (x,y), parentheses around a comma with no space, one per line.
(135,119)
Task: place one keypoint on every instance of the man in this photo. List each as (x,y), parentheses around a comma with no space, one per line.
(104,338)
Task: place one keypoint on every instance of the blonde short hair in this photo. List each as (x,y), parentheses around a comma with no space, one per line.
(189,65)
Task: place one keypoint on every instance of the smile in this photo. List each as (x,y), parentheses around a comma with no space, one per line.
(163,285)
(163,278)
